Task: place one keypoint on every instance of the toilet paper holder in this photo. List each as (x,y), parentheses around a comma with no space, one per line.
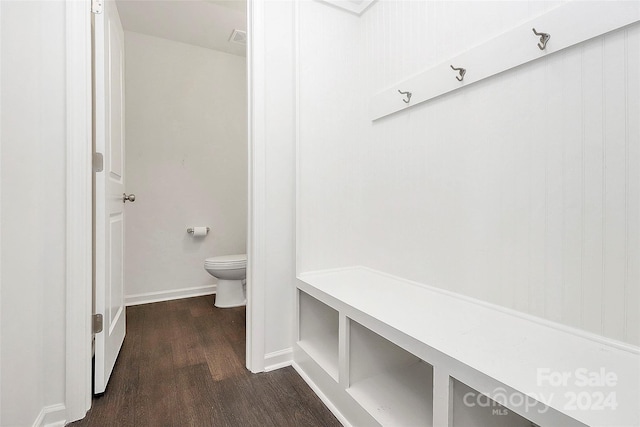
(190,230)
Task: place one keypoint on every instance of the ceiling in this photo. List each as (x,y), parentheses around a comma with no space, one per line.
(205,23)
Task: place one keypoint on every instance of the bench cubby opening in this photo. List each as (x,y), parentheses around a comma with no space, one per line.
(318,332)
(474,409)
(393,385)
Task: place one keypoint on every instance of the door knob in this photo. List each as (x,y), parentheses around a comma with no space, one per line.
(130,197)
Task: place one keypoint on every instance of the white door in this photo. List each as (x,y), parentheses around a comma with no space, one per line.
(109,189)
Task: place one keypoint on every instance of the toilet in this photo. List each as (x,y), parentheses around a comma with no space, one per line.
(230,270)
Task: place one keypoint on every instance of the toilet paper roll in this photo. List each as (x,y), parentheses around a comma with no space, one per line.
(200,231)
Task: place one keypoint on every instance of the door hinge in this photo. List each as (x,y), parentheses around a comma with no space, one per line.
(96,6)
(97,323)
(98,162)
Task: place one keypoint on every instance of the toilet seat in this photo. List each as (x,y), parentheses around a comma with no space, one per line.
(226,262)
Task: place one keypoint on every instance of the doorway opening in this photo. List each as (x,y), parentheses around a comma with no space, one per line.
(170,125)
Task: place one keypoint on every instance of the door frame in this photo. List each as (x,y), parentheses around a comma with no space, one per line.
(79,219)
(256,196)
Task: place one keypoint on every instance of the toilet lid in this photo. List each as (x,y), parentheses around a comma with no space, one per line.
(239,260)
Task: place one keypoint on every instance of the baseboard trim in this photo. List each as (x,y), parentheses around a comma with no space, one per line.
(51,416)
(278,359)
(149,297)
(323,397)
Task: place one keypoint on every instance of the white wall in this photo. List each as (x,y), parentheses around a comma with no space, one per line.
(332,114)
(521,190)
(186,162)
(32,153)
(279,176)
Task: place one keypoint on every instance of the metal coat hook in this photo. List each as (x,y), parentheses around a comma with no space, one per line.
(544,38)
(408,94)
(462,72)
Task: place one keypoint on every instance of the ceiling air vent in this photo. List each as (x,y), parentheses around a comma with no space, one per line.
(238,36)
(356,6)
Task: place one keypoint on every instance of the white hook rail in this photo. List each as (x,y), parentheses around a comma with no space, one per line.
(570,24)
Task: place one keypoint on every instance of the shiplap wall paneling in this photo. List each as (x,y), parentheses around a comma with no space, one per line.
(592,170)
(521,190)
(632,283)
(614,200)
(329,93)
(572,133)
(559,118)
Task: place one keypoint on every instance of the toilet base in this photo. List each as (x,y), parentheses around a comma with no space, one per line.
(230,293)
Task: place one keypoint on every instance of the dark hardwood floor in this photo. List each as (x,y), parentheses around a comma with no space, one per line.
(182,364)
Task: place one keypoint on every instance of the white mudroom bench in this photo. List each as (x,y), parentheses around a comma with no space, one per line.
(381,350)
